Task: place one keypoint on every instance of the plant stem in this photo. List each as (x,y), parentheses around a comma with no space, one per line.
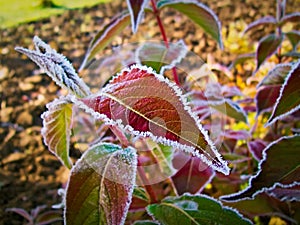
(120,135)
(164,36)
(145,180)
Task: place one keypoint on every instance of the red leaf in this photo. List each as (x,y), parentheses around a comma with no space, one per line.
(289,98)
(193,176)
(266,97)
(267,47)
(148,105)
(293,17)
(263,21)
(136,9)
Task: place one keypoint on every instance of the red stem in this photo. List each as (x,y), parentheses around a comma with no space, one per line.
(164,36)
(145,180)
(120,135)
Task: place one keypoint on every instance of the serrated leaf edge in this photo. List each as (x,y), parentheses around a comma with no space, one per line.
(284,186)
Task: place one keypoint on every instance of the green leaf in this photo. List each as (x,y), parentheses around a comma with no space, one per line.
(136,9)
(56,129)
(277,75)
(229,108)
(100,186)
(194,209)
(199,14)
(57,67)
(267,47)
(105,36)
(294,38)
(145,222)
(159,57)
(289,98)
(279,166)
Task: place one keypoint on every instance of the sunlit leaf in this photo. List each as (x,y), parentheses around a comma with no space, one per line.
(56,66)
(267,46)
(100,186)
(277,75)
(294,38)
(194,209)
(136,9)
(289,98)
(56,129)
(279,166)
(159,57)
(193,176)
(292,17)
(105,36)
(147,104)
(266,97)
(267,20)
(199,14)
(230,109)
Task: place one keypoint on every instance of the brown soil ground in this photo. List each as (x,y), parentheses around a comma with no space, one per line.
(30,175)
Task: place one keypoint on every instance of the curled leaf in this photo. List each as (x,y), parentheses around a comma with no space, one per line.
(56,129)
(289,98)
(105,36)
(149,105)
(267,47)
(56,66)
(281,152)
(199,14)
(136,9)
(100,186)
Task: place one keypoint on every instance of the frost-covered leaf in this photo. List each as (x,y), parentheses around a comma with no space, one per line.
(266,97)
(277,75)
(199,14)
(196,210)
(267,20)
(100,186)
(193,176)
(292,17)
(289,98)
(289,193)
(267,46)
(159,57)
(279,166)
(256,148)
(136,9)
(294,38)
(229,108)
(56,129)
(105,36)
(147,104)
(56,66)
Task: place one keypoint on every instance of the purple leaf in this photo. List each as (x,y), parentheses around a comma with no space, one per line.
(22,213)
(56,129)
(49,217)
(294,37)
(289,98)
(286,193)
(193,176)
(199,14)
(56,66)
(256,148)
(105,36)
(266,97)
(100,186)
(293,17)
(136,9)
(277,75)
(147,104)
(237,135)
(262,21)
(280,165)
(267,46)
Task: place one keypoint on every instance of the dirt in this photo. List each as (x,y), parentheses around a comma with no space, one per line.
(30,175)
